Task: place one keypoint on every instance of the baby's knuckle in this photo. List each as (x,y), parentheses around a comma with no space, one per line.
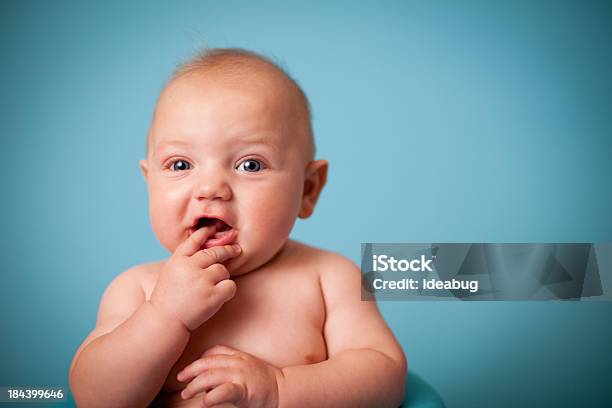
(192,240)
(198,367)
(215,349)
(215,252)
(207,256)
(217,359)
(207,289)
(217,267)
(221,270)
(205,375)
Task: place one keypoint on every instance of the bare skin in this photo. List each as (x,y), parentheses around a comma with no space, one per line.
(247,317)
(300,314)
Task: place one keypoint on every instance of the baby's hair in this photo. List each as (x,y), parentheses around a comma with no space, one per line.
(231,63)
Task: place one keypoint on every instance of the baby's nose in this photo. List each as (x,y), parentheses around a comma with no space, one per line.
(213,187)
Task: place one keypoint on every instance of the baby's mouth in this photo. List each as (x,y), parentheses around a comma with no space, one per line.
(225,234)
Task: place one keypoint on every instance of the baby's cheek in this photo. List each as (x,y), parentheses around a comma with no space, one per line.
(269,226)
(277,215)
(164,223)
(163,232)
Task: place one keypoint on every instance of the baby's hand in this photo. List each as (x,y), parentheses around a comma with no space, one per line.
(232,376)
(193,284)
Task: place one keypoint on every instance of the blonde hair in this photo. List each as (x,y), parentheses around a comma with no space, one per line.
(233,63)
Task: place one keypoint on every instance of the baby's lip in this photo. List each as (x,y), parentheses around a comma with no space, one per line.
(221,238)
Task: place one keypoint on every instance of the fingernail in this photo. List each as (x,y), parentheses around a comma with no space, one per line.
(236,247)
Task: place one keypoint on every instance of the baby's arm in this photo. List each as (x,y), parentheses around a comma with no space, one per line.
(125,361)
(366,366)
(126,358)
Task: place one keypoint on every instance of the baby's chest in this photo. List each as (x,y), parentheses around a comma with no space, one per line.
(278,323)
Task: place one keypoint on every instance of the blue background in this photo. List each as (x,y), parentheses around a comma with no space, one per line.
(471,121)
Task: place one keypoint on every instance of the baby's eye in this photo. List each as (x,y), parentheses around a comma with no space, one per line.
(179,165)
(250,165)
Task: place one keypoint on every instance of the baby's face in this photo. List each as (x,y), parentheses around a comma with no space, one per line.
(225,151)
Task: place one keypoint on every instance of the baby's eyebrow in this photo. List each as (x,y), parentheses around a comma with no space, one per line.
(175,142)
(264,139)
(246,139)
(171,143)
(161,146)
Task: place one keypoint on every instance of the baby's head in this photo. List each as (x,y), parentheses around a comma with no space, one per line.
(231,139)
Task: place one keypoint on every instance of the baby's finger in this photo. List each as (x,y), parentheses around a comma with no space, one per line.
(203,364)
(225,393)
(226,289)
(216,273)
(207,257)
(195,241)
(207,380)
(220,349)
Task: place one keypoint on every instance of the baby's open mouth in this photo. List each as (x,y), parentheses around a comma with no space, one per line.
(206,222)
(225,233)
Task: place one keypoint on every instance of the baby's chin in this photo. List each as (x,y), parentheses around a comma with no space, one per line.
(243,264)
(250,261)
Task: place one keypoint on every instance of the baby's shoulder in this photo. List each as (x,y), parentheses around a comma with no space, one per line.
(339,277)
(328,264)
(144,275)
(133,283)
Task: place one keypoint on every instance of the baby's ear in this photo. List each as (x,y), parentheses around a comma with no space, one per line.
(316,177)
(144,167)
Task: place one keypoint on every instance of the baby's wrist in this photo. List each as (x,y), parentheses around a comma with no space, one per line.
(168,318)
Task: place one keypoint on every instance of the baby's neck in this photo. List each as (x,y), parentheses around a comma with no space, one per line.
(286,249)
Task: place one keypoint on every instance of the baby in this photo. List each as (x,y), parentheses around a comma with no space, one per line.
(239,314)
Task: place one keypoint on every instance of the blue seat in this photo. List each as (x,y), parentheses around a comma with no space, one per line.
(419,394)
